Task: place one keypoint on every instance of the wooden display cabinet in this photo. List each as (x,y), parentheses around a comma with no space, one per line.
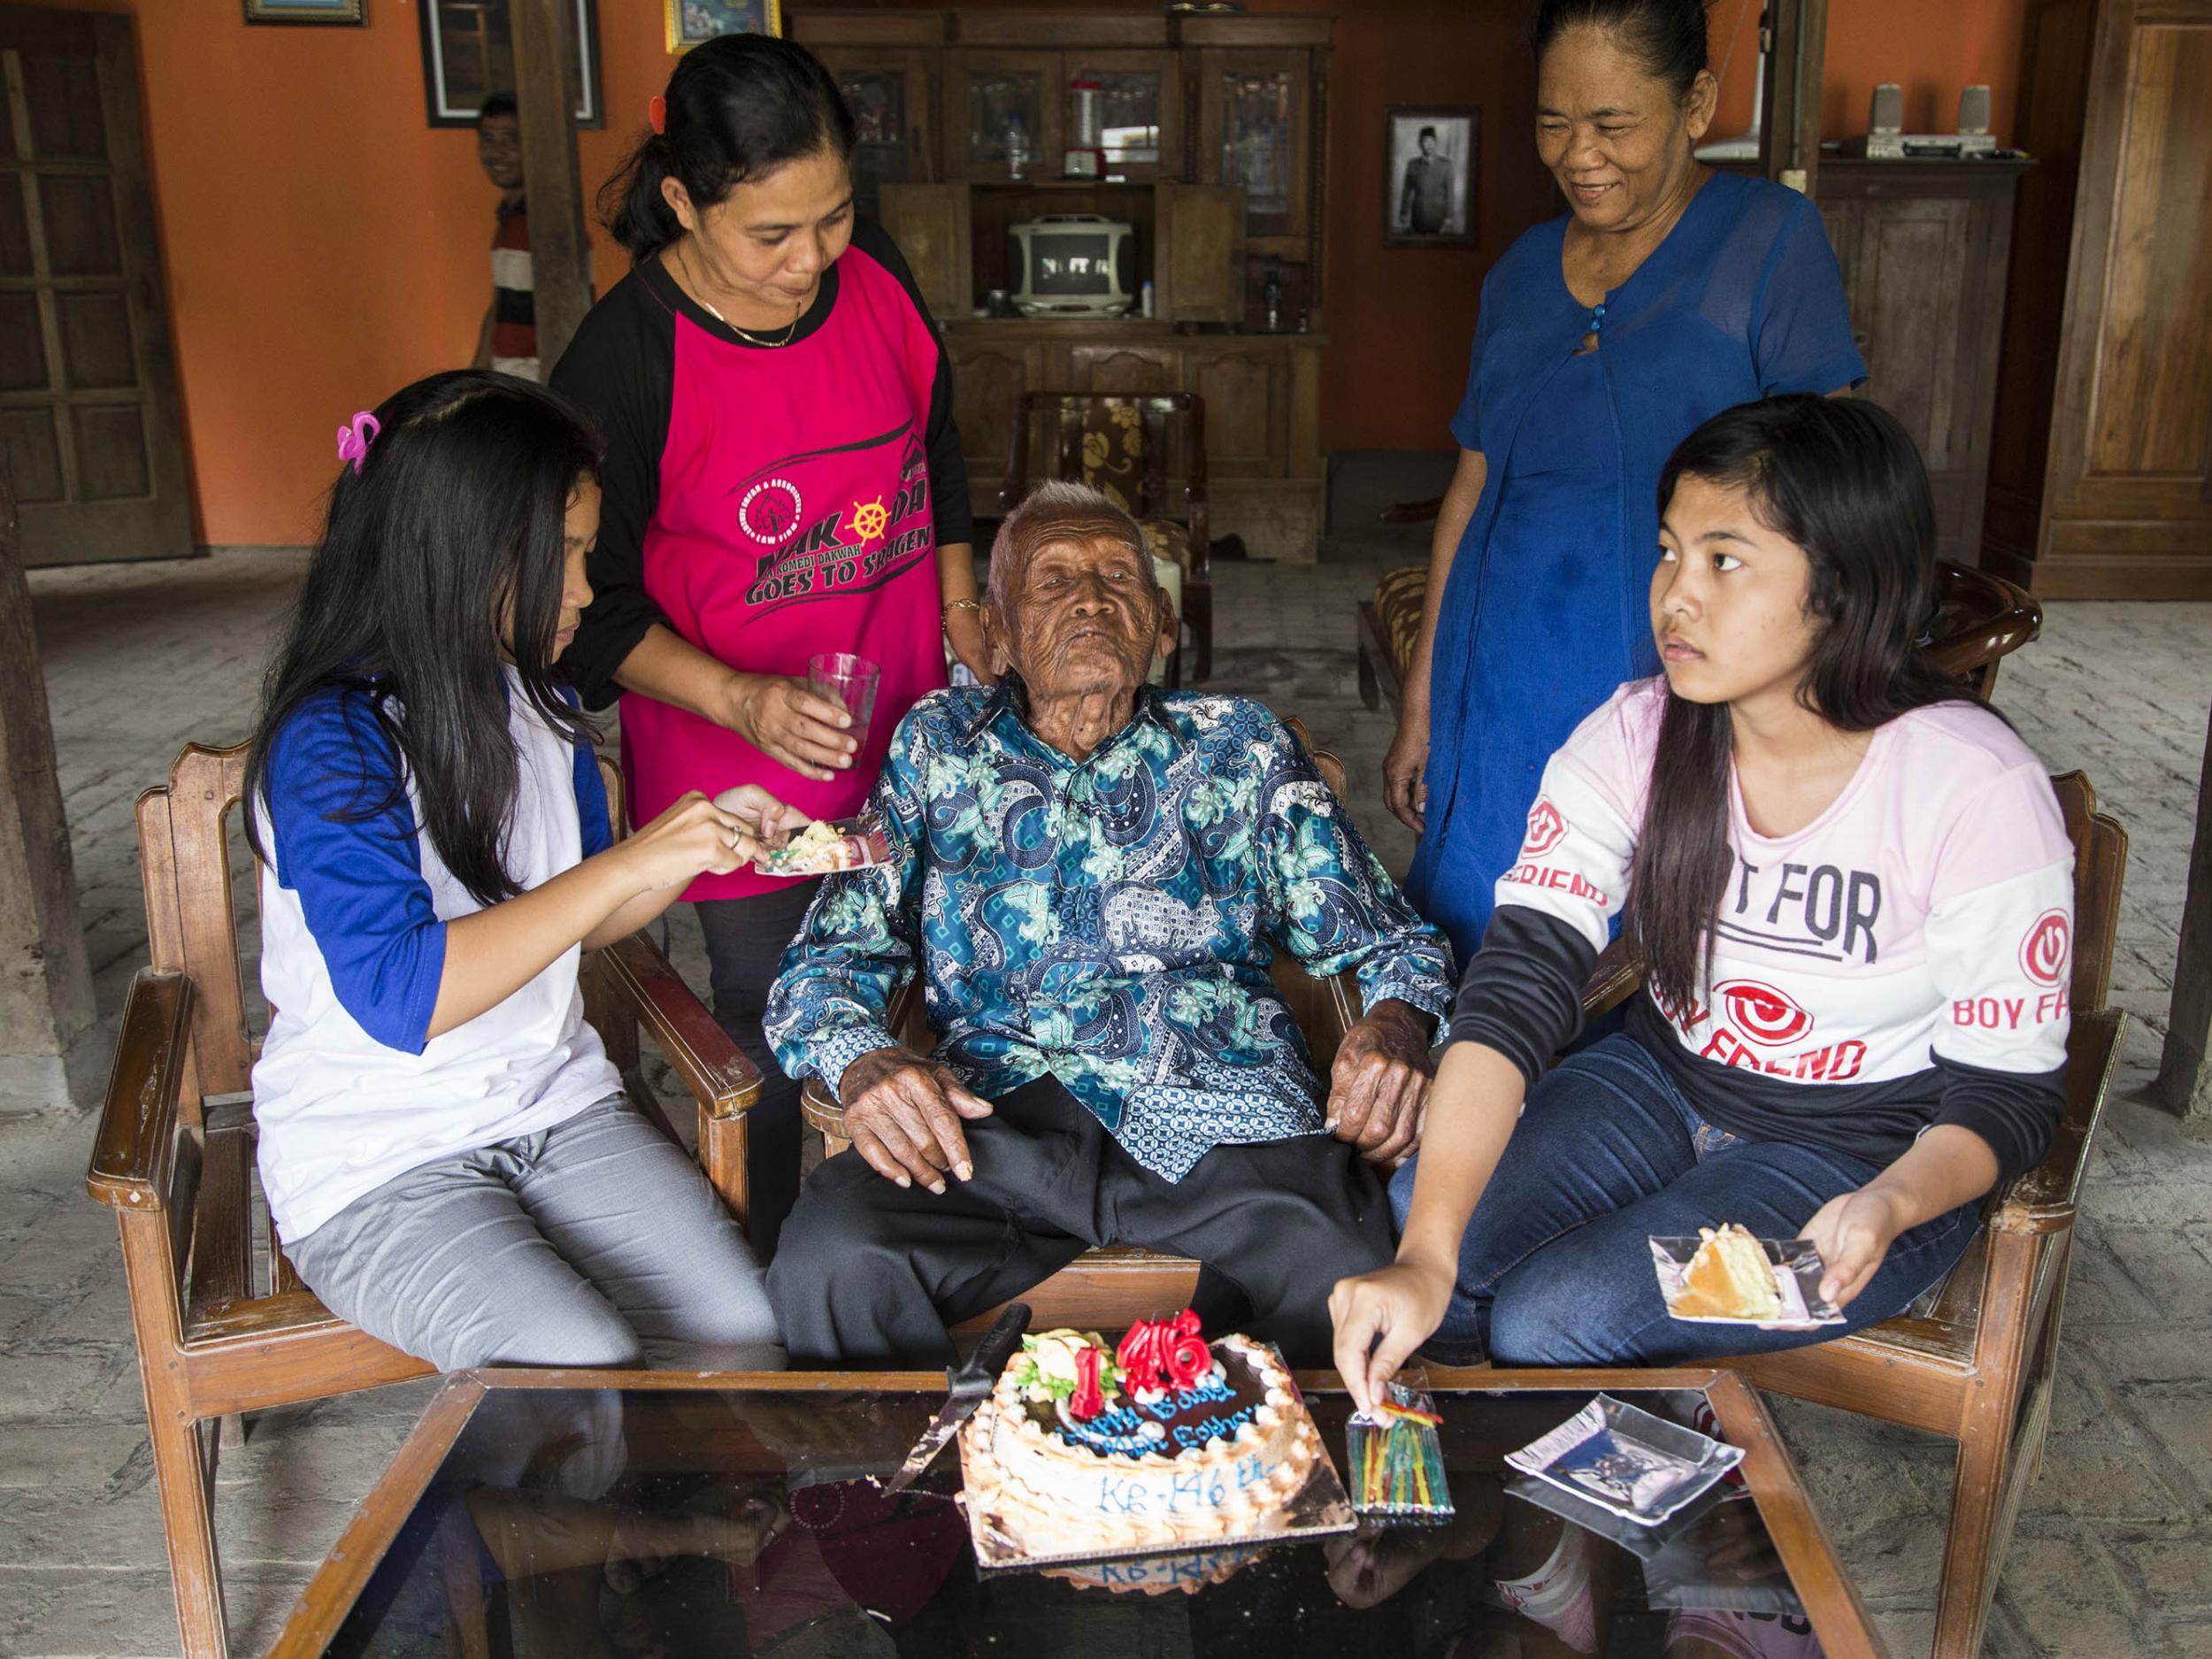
(1216,156)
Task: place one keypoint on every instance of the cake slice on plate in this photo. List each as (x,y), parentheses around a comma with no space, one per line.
(1729,1278)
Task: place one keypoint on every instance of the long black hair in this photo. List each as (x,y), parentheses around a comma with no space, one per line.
(738,107)
(1841,479)
(454,521)
(1666,36)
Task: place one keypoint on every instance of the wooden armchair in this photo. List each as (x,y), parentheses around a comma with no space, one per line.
(1127,446)
(223,1324)
(1975,1358)
(1979,619)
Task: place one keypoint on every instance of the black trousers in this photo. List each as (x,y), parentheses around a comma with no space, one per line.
(746,938)
(871,1273)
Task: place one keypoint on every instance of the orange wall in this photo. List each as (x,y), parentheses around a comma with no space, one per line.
(1930,48)
(322,245)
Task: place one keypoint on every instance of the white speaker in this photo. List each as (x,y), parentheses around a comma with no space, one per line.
(1974,110)
(1887,114)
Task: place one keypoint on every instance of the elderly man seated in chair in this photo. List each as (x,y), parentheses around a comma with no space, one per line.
(1091,876)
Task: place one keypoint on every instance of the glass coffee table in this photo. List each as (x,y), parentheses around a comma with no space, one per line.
(656,1515)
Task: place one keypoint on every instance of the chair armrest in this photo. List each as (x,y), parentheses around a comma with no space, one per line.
(818,1104)
(2044,1200)
(1412,511)
(1613,979)
(133,1157)
(720,1078)
(817,1101)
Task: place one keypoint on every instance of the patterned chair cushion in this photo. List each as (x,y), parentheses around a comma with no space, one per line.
(1114,453)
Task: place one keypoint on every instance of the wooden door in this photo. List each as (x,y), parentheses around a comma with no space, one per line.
(1255,132)
(930,225)
(987,380)
(1198,253)
(992,100)
(2127,506)
(892,93)
(90,422)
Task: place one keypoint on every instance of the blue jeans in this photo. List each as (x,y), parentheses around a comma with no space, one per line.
(1556,1267)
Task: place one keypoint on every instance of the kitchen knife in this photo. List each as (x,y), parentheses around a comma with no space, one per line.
(970,1384)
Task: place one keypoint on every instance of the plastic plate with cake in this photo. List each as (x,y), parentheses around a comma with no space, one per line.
(1164,1442)
(1726,1277)
(827,846)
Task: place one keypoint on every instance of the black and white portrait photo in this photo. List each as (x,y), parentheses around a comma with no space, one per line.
(1429,175)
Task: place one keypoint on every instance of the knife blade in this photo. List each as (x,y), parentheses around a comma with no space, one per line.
(968,1384)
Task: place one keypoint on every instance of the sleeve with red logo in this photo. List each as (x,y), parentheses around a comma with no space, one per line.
(2001,955)
(1522,993)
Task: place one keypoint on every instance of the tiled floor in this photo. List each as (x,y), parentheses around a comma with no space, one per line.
(2114,1554)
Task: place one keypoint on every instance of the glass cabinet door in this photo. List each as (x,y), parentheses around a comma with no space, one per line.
(888,92)
(1141,97)
(1255,136)
(1002,115)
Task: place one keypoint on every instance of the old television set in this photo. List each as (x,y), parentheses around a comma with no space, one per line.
(1072,264)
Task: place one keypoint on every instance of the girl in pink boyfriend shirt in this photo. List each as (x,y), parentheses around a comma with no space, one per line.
(1851,890)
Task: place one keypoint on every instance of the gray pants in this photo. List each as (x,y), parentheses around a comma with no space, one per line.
(596,1242)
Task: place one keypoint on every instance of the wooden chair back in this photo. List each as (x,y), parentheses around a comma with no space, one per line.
(1147,450)
(1981,619)
(184,856)
(2050,1192)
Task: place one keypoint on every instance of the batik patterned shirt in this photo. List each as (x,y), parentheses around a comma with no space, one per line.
(1108,922)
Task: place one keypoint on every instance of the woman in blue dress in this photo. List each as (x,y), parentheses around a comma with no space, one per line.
(1665,295)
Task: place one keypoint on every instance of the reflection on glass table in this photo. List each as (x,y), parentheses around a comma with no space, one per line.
(636,1515)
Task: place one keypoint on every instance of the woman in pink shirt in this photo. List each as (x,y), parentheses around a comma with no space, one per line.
(1851,887)
(782,478)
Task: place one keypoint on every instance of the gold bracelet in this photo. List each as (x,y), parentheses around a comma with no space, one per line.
(964,604)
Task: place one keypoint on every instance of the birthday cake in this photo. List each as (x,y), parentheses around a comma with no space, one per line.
(1166,1441)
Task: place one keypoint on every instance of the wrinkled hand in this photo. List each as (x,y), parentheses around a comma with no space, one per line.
(964,632)
(1381,1318)
(902,1115)
(1853,1232)
(788,723)
(694,837)
(1407,759)
(1379,1085)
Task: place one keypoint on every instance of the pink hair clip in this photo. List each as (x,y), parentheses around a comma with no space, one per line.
(355,437)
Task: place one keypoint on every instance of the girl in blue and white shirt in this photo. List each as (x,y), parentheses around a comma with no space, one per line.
(448,1153)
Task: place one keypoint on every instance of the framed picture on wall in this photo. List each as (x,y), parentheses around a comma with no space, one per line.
(1429,174)
(691,21)
(303,10)
(468,51)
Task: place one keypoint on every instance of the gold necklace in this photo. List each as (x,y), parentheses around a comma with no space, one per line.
(714,310)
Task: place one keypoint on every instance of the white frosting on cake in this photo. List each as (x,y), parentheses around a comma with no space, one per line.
(1223,1459)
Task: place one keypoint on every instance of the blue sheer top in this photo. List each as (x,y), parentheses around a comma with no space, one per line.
(1547,608)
